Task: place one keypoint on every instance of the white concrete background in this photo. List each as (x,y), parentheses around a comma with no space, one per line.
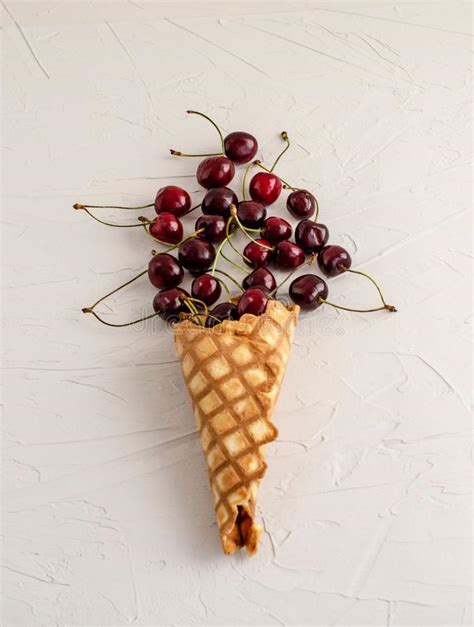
(107,513)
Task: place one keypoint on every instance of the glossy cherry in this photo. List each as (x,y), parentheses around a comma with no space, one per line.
(308,290)
(288,255)
(172,199)
(164,271)
(334,260)
(253,301)
(223,311)
(170,303)
(251,213)
(258,256)
(301,204)
(215,172)
(217,201)
(206,288)
(262,278)
(240,146)
(265,188)
(196,255)
(167,228)
(311,236)
(214,228)
(276,229)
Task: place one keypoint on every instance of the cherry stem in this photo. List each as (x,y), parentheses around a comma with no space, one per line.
(227,240)
(284,136)
(213,154)
(168,250)
(231,278)
(90,309)
(327,302)
(316,210)
(385,305)
(120,226)
(233,213)
(224,284)
(199,302)
(285,183)
(236,265)
(244,178)
(288,276)
(79,206)
(192,209)
(125,324)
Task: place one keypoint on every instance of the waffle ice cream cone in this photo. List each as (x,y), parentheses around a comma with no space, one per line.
(233,373)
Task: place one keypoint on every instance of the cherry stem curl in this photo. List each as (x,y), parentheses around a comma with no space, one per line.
(178,153)
(285,138)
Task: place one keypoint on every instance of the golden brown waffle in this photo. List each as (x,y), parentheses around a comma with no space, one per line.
(233,373)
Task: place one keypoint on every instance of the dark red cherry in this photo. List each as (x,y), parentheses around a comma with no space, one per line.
(251,213)
(217,201)
(240,146)
(206,288)
(196,255)
(223,311)
(301,204)
(214,228)
(167,228)
(215,172)
(276,229)
(288,255)
(311,236)
(258,256)
(164,271)
(175,200)
(253,301)
(262,278)
(170,303)
(308,290)
(334,260)
(265,188)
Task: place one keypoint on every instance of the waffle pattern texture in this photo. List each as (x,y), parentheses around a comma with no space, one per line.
(233,373)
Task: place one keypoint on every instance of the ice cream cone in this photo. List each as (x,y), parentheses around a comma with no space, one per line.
(233,373)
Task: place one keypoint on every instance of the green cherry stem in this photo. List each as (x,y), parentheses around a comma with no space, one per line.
(316,210)
(78,205)
(178,153)
(224,285)
(120,226)
(288,276)
(374,283)
(231,278)
(117,289)
(124,324)
(387,307)
(233,263)
(285,138)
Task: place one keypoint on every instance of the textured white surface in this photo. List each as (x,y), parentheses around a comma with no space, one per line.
(107,513)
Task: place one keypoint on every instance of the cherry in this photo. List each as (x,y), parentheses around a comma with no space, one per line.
(196,255)
(240,146)
(253,301)
(334,260)
(276,229)
(164,271)
(223,311)
(311,236)
(301,204)
(217,202)
(262,278)
(214,228)
(172,199)
(265,187)
(167,228)
(308,290)
(258,256)
(206,288)
(288,255)
(251,214)
(170,303)
(215,172)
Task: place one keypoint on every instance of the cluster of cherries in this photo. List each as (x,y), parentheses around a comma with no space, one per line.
(223,215)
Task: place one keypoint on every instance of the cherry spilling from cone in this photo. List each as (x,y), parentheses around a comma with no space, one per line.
(234,247)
